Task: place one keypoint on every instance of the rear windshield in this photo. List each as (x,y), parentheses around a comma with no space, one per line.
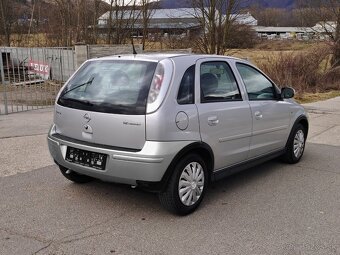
(110,86)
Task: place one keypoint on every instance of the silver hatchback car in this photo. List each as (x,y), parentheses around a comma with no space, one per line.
(172,123)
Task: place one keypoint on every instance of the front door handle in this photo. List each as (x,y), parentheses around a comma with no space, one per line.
(258,115)
(213,121)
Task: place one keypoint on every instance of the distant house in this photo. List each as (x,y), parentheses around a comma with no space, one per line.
(171,21)
(283,32)
(244,19)
(320,31)
(325,27)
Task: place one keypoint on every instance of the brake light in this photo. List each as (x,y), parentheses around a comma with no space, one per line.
(156,84)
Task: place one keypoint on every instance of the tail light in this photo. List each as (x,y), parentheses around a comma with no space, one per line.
(156,84)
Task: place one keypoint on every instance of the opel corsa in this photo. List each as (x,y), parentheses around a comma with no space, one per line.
(172,123)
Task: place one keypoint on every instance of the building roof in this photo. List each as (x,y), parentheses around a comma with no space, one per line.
(325,27)
(261,29)
(179,13)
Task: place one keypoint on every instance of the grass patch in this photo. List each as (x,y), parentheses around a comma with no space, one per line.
(314,97)
(8,88)
(34,102)
(284,45)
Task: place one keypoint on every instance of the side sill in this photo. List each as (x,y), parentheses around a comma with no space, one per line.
(225,172)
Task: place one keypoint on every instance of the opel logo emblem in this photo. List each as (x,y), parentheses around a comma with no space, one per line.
(87,117)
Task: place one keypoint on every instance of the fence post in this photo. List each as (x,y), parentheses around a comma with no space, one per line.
(81,52)
(3,83)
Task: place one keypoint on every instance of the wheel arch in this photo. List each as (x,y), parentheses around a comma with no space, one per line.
(200,148)
(302,119)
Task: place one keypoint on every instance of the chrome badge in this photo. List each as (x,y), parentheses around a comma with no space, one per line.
(87,117)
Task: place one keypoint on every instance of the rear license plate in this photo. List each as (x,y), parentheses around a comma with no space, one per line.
(86,158)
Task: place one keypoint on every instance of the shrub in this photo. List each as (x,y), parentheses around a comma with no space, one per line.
(241,37)
(305,70)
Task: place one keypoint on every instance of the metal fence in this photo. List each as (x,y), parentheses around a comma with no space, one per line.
(32,77)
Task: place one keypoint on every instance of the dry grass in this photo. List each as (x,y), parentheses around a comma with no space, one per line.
(307,70)
(255,56)
(7,88)
(314,97)
(285,45)
(31,95)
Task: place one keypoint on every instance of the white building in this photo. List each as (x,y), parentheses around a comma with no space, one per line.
(244,19)
(325,27)
(320,31)
(180,20)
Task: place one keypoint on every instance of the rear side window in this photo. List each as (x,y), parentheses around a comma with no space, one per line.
(110,86)
(257,85)
(218,83)
(187,87)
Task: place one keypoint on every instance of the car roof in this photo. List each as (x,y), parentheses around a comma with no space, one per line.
(156,57)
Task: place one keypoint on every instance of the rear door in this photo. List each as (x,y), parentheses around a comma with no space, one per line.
(224,117)
(270,114)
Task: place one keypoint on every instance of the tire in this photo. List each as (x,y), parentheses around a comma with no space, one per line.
(191,177)
(73,176)
(295,145)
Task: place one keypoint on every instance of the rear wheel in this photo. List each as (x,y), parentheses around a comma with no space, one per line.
(73,176)
(187,185)
(295,145)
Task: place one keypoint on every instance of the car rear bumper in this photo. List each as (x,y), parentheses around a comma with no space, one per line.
(148,164)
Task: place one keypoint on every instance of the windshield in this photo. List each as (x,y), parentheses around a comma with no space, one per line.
(110,86)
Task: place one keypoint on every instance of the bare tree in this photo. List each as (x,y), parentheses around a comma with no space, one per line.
(97,5)
(122,17)
(216,18)
(270,16)
(64,10)
(147,9)
(7,19)
(327,12)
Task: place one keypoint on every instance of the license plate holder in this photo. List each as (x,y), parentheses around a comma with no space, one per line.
(86,158)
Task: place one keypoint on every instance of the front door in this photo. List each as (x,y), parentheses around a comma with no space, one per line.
(271,115)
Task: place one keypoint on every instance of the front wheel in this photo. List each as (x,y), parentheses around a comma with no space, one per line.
(187,185)
(295,145)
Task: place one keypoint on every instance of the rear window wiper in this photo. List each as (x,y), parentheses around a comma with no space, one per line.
(83,102)
(77,86)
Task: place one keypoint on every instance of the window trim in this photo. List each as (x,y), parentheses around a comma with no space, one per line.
(202,101)
(276,89)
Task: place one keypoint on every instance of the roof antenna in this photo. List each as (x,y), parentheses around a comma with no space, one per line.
(134,52)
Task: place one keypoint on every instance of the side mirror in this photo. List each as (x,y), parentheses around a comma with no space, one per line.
(287,92)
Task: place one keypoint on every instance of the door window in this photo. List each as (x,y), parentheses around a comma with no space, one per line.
(257,85)
(218,83)
(187,86)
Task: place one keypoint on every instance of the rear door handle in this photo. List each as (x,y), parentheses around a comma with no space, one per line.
(213,121)
(258,115)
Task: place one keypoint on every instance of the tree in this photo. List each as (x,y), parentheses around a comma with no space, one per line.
(326,12)
(97,6)
(64,10)
(216,18)
(8,17)
(121,20)
(147,9)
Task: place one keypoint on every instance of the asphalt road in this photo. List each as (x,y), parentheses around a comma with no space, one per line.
(271,209)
